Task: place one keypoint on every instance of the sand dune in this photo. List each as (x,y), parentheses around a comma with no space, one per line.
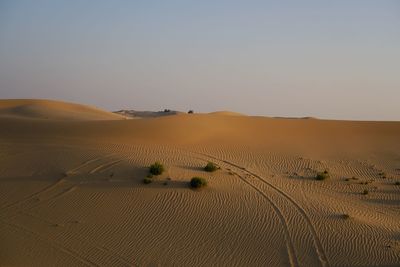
(52,110)
(71,191)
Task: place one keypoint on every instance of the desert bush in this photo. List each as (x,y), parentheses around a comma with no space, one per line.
(322,175)
(397,183)
(156,169)
(190,112)
(345,216)
(211,167)
(198,182)
(147,180)
(365,192)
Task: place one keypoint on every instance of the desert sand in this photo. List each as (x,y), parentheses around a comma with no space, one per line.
(71,190)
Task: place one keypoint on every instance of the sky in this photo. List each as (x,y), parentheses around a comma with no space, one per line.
(326,59)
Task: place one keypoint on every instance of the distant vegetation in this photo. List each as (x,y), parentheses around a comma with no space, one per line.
(211,167)
(322,175)
(147,180)
(198,182)
(190,112)
(382,175)
(156,169)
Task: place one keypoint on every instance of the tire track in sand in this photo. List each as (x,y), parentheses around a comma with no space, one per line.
(52,192)
(52,243)
(289,244)
(32,196)
(317,242)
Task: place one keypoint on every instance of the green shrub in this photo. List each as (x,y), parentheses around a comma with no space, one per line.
(211,167)
(322,175)
(147,180)
(157,168)
(198,182)
(345,216)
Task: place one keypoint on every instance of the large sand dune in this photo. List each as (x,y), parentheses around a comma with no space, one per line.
(71,191)
(52,110)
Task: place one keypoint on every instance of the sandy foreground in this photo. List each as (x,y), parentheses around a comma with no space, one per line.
(71,190)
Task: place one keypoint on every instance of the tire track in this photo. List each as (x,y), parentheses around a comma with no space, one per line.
(105,166)
(87,163)
(52,243)
(289,244)
(32,196)
(35,200)
(317,242)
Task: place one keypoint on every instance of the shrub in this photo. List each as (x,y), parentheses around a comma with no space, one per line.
(345,216)
(210,167)
(365,192)
(397,183)
(147,180)
(198,182)
(322,175)
(190,112)
(156,169)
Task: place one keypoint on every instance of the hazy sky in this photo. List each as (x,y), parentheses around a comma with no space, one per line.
(328,59)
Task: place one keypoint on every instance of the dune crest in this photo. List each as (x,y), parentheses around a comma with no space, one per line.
(226,113)
(53,110)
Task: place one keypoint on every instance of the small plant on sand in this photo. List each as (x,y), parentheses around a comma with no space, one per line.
(147,180)
(322,175)
(365,192)
(198,182)
(397,183)
(345,216)
(156,169)
(211,167)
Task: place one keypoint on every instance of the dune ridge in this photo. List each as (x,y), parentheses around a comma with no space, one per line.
(53,110)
